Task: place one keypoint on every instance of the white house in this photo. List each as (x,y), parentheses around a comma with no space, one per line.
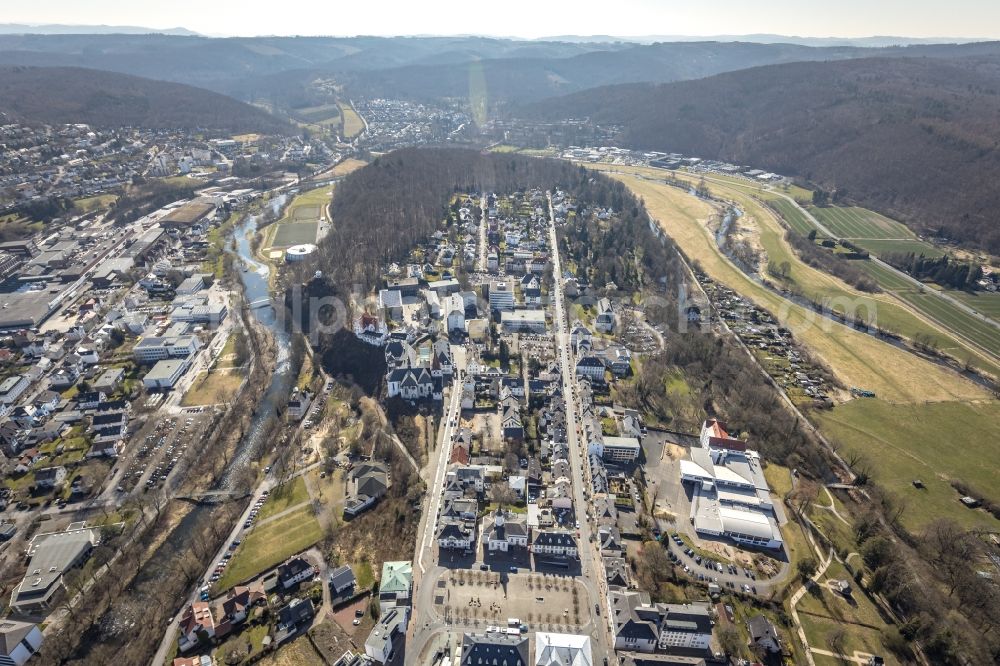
(454,536)
(506,533)
(455,307)
(554,543)
(562,650)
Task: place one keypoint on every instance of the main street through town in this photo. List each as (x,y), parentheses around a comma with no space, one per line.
(591,569)
(430,631)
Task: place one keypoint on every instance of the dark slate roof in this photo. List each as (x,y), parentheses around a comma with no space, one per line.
(342,577)
(298,611)
(563,539)
(493,649)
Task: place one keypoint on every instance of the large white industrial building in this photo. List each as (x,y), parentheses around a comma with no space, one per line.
(730,495)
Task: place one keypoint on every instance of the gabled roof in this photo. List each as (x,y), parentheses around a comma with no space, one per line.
(562,650)
(342,577)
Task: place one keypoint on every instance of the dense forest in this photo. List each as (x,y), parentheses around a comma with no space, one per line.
(945,271)
(383,210)
(913,138)
(55,95)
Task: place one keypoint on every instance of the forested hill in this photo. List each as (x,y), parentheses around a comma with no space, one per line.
(106,99)
(397,201)
(915,138)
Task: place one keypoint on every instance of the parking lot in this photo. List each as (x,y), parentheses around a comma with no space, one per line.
(159,447)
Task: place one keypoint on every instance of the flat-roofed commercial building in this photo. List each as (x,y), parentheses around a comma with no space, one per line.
(51,555)
(523,321)
(156,348)
(166,373)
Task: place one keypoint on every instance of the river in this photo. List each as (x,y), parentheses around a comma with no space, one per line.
(119,623)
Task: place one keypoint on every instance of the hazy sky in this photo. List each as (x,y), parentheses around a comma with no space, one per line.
(529,18)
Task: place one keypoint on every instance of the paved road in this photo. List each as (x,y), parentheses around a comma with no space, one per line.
(481,246)
(591,565)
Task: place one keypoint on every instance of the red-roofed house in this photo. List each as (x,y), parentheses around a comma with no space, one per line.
(714,436)
(196,625)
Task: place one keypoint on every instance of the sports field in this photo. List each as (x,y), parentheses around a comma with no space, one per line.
(294,233)
(302,218)
(306,212)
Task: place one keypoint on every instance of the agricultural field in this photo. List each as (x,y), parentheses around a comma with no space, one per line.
(347,166)
(984,302)
(934,442)
(855,358)
(956,319)
(321,114)
(895,312)
(353,124)
(881,247)
(853,222)
(921,390)
(793,216)
(271,544)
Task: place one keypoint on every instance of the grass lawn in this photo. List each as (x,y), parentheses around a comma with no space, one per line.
(270,545)
(330,491)
(284,497)
(299,652)
(211,388)
(252,635)
(98,202)
(779,479)
(227,357)
(294,233)
(364,575)
(932,442)
(348,166)
(856,638)
(857,359)
(353,125)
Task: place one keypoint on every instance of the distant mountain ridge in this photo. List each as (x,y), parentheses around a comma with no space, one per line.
(55,95)
(64,29)
(527,79)
(875,41)
(915,138)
